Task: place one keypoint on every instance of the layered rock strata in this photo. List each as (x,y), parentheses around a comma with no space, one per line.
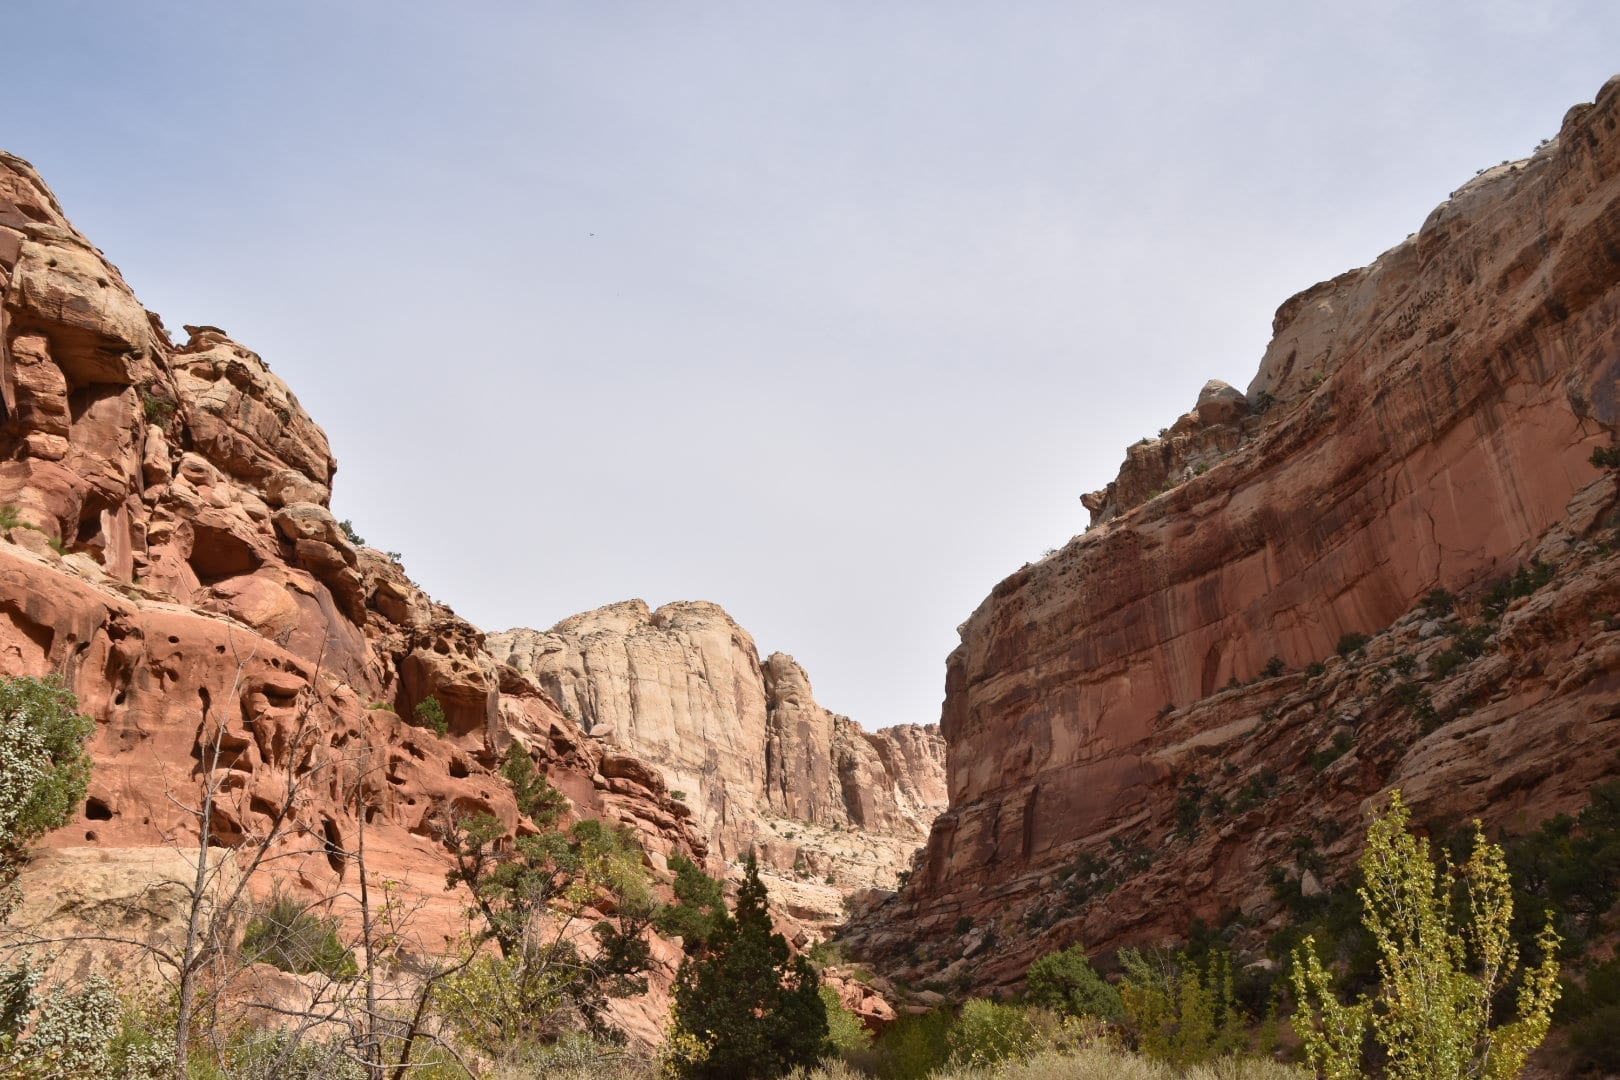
(828,806)
(1121,758)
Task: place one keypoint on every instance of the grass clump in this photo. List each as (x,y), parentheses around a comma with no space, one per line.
(287,935)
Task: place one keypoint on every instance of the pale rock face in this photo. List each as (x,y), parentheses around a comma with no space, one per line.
(825,804)
(1424,422)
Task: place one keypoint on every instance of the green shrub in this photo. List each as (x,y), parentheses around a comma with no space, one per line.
(61,1035)
(987,1033)
(1438,603)
(912,1047)
(1444,662)
(349,534)
(849,1036)
(286,934)
(1471,640)
(430,714)
(157,410)
(1274,667)
(1525,581)
(1321,759)
(1184,1013)
(1315,669)
(284,1055)
(1352,643)
(1606,457)
(44,770)
(1065,983)
(9,517)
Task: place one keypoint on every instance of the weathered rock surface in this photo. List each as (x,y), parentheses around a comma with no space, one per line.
(1424,422)
(174,558)
(828,806)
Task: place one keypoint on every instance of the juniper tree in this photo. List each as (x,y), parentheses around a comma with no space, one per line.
(748,1009)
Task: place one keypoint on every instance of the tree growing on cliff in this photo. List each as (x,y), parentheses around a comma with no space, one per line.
(748,1008)
(1440,978)
(537,896)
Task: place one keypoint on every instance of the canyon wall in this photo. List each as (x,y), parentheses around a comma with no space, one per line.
(1142,724)
(167,547)
(828,806)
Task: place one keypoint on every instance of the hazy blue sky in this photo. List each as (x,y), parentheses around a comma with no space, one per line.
(827,312)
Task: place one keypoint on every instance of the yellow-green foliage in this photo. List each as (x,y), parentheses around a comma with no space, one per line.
(1432,1009)
(1183,1015)
(846,1031)
(1088,1063)
(987,1033)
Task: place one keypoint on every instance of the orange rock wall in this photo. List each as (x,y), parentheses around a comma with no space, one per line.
(1424,422)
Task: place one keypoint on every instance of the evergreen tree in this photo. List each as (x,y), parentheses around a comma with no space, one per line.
(747,1007)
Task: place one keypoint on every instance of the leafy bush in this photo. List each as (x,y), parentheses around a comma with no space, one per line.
(1606,457)
(44,770)
(1315,669)
(430,714)
(541,983)
(1065,983)
(284,1055)
(913,1047)
(1274,667)
(1184,1013)
(848,1035)
(349,534)
(1352,643)
(61,1036)
(286,934)
(988,1033)
(1432,1011)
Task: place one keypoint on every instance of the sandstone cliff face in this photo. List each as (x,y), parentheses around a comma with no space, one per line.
(169,549)
(1425,422)
(828,806)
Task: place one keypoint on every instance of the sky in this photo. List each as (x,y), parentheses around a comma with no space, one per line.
(826,312)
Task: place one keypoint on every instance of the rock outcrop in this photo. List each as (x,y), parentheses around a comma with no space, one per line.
(169,550)
(1136,731)
(828,806)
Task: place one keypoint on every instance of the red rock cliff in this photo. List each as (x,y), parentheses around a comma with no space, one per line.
(168,548)
(1424,422)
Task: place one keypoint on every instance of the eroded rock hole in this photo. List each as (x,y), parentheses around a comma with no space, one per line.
(458,768)
(96,810)
(335,855)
